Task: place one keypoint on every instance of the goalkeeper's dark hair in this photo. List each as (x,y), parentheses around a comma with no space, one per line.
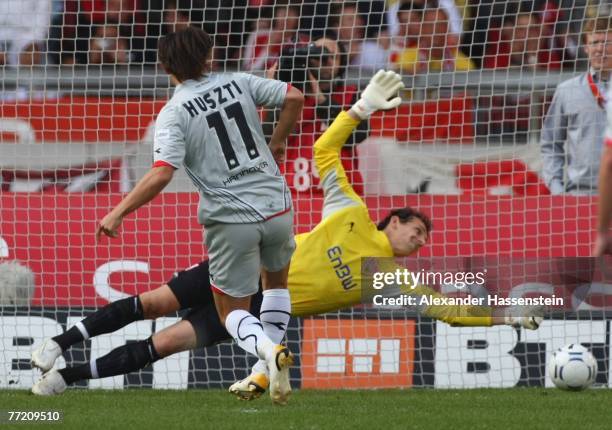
(405,214)
(185,53)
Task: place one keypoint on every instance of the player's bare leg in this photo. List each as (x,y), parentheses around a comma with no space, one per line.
(150,305)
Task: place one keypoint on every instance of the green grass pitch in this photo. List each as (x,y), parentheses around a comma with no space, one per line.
(490,409)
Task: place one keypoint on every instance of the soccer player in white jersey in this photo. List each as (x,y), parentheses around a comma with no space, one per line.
(211,127)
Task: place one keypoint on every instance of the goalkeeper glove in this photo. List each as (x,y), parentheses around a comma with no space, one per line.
(382,86)
(529,317)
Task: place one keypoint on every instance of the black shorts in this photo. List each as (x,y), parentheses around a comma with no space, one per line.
(192,290)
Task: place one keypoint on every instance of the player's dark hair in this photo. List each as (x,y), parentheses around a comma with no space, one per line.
(185,52)
(405,215)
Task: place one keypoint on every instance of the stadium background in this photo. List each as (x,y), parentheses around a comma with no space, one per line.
(464,147)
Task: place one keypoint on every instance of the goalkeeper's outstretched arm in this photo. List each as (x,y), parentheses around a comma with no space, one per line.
(529,317)
(381,93)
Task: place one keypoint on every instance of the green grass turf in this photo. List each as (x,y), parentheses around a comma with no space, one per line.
(490,409)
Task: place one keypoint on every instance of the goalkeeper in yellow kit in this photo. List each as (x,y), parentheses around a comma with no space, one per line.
(325,275)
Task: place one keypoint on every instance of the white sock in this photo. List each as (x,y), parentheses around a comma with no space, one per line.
(260,367)
(274,315)
(248,333)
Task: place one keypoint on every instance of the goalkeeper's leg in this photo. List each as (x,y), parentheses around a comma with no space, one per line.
(112,317)
(122,360)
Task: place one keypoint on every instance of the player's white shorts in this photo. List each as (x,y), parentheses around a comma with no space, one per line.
(238,251)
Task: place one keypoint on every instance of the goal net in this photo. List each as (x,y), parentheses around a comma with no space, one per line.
(498,139)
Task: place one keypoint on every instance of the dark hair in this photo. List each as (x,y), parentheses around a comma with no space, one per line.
(597,24)
(410,5)
(342,51)
(185,52)
(405,215)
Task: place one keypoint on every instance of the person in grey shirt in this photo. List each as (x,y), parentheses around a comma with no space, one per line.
(211,127)
(573,128)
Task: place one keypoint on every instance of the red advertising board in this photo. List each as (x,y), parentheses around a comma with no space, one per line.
(53,234)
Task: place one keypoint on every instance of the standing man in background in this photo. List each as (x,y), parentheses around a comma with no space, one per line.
(573,128)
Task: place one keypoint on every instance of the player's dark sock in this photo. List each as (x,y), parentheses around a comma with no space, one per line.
(125,359)
(77,373)
(106,320)
(69,338)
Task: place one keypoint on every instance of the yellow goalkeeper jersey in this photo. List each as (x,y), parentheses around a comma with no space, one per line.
(325,272)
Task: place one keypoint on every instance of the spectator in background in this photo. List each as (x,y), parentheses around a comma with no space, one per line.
(522,41)
(326,96)
(24,26)
(350,29)
(573,129)
(449,6)
(107,46)
(351,26)
(410,20)
(265,44)
(175,15)
(437,49)
(84,21)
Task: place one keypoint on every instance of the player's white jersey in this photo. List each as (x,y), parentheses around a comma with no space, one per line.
(213,128)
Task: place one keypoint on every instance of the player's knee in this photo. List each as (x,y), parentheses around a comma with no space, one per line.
(158,303)
(164,345)
(177,338)
(150,309)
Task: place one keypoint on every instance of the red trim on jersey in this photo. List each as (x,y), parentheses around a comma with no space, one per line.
(289,86)
(217,291)
(162,163)
(278,214)
(608,141)
(595,90)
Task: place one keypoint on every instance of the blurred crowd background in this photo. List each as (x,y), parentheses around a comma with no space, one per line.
(250,34)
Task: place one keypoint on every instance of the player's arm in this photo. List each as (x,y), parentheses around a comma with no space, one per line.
(528,317)
(552,144)
(337,190)
(289,114)
(456,315)
(168,155)
(273,93)
(151,184)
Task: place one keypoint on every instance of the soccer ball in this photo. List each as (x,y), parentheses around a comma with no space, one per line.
(572,367)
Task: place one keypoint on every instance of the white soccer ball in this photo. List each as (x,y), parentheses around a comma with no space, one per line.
(572,367)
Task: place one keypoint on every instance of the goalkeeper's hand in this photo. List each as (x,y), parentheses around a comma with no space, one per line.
(529,317)
(384,85)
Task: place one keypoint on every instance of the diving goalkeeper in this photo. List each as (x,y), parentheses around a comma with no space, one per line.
(345,231)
